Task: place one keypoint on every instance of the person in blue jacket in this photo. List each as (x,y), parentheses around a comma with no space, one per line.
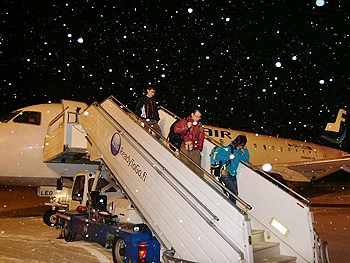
(224,162)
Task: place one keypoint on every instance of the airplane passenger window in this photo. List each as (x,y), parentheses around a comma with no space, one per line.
(289,150)
(296,150)
(255,146)
(30,117)
(264,147)
(304,152)
(310,152)
(281,149)
(7,117)
(273,148)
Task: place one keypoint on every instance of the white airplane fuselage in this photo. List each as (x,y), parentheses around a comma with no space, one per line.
(21,150)
(22,145)
(281,153)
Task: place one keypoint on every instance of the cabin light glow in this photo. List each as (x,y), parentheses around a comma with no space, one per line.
(280,228)
(267,167)
(86,113)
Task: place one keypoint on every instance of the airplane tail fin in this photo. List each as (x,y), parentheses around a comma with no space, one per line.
(335,131)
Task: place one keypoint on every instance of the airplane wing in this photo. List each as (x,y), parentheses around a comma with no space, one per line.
(319,165)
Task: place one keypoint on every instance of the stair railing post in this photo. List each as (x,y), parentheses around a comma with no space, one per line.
(248,244)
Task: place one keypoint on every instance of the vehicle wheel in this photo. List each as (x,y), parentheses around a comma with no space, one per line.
(118,250)
(50,217)
(69,236)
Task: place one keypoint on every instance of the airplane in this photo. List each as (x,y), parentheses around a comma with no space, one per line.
(294,161)
(23,137)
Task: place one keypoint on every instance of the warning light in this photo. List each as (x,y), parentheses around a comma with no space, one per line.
(142,251)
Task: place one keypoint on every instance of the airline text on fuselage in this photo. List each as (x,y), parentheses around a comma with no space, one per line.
(217,133)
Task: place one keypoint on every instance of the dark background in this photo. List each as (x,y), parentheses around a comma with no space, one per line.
(221,58)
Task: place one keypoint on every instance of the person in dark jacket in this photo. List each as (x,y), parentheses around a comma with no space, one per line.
(226,159)
(147,109)
(193,138)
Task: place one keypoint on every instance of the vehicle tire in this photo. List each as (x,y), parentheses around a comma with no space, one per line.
(118,250)
(50,217)
(69,236)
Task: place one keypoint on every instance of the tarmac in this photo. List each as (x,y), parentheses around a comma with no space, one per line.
(25,238)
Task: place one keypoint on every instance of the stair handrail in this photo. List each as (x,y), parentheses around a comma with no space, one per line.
(58,116)
(324,252)
(112,121)
(254,167)
(177,151)
(213,180)
(168,256)
(209,221)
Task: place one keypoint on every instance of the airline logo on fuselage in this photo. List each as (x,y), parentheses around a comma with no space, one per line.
(335,127)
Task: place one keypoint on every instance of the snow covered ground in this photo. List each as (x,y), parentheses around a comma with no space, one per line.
(25,238)
(28,239)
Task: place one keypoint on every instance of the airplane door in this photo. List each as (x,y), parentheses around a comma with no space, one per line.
(74,108)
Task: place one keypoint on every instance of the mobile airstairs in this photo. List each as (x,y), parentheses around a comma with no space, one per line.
(186,209)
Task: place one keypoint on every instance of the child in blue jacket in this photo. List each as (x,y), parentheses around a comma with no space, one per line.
(224,162)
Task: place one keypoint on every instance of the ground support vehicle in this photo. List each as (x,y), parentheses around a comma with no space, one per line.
(100,212)
(129,242)
(59,200)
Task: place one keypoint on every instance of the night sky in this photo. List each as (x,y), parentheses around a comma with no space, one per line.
(271,67)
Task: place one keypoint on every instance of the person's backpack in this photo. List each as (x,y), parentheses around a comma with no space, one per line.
(217,168)
(175,138)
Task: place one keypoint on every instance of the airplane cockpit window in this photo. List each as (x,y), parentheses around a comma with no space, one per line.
(30,117)
(7,117)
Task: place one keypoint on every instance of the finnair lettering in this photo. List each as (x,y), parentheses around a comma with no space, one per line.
(335,127)
(216,133)
(134,166)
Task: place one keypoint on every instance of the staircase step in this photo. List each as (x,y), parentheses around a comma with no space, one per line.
(279,259)
(258,236)
(264,250)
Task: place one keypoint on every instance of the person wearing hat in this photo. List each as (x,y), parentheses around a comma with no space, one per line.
(224,163)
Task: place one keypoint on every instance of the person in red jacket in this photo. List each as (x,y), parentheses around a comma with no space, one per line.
(193,136)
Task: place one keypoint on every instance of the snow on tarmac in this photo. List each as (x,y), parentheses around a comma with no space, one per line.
(28,239)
